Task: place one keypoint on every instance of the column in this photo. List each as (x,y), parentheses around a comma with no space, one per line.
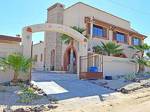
(110,35)
(26,43)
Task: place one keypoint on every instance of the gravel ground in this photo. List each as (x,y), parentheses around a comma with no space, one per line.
(9,97)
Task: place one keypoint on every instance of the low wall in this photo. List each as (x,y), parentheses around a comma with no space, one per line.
(8,76)
(147,69)
(118,66)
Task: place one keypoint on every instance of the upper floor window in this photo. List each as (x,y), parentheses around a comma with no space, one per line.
(136,41)
(99,31)
(120,37)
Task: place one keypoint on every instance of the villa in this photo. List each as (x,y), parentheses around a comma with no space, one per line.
(53,54)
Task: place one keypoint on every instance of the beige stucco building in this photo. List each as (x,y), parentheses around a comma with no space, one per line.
(8,45)
(99,26)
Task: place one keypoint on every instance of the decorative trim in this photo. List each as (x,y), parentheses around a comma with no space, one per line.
(113,27)
(29,29)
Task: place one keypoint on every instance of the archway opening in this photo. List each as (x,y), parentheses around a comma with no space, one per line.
(51,27)
(70,59)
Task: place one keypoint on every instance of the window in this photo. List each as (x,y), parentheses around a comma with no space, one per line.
(120,37)
(99,31)
(136,41)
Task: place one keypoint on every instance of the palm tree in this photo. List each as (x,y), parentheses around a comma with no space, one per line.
(69,40)
(148,54)
(16,62)
(109,48)
(140,49)
(139,56)
(97,49)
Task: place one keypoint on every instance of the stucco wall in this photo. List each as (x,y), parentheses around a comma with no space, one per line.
(118,66)
(38,49)
(6,49)
(7,75)
(147,69)
(75,16)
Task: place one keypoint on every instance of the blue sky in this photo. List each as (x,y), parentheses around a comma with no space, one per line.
(15,14)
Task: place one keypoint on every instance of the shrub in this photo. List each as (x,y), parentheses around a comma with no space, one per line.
(27,95)
(130,76)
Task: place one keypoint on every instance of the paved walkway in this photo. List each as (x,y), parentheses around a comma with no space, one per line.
(66,86)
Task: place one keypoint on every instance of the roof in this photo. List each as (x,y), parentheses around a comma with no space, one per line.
(10,38)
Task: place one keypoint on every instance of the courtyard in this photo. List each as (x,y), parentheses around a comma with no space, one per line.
(66,86)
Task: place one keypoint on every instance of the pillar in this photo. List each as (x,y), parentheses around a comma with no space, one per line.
(26,43)
(110,35)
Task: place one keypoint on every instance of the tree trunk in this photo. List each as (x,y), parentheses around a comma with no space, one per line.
(15,78)
(141,69)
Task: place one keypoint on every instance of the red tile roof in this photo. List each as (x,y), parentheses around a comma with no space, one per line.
(10,38)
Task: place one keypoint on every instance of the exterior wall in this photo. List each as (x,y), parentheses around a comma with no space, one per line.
(6,49)
(147,69)
(8,76)
(38,50)
(118,66)
(75,16)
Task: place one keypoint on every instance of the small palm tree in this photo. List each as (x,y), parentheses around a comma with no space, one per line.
(16,62)
(97,49)
(109,48)
(139,56)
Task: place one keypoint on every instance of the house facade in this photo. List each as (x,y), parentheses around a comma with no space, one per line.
(99,26)
(9,44)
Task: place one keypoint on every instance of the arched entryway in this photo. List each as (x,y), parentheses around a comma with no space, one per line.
(27,38)
(70,59)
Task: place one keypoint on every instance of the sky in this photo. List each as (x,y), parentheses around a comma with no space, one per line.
(15,14)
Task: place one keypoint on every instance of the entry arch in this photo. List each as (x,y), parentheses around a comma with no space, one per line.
(27,38)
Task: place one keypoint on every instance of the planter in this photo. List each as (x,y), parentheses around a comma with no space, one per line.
(91,75)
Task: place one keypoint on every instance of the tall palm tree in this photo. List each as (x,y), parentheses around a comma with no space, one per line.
(148,54)
(109,48)
(69,40)
(16,62)
(140,49)
(139,56)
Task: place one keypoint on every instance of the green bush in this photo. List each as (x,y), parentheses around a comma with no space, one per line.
(130,76)
(27,95)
